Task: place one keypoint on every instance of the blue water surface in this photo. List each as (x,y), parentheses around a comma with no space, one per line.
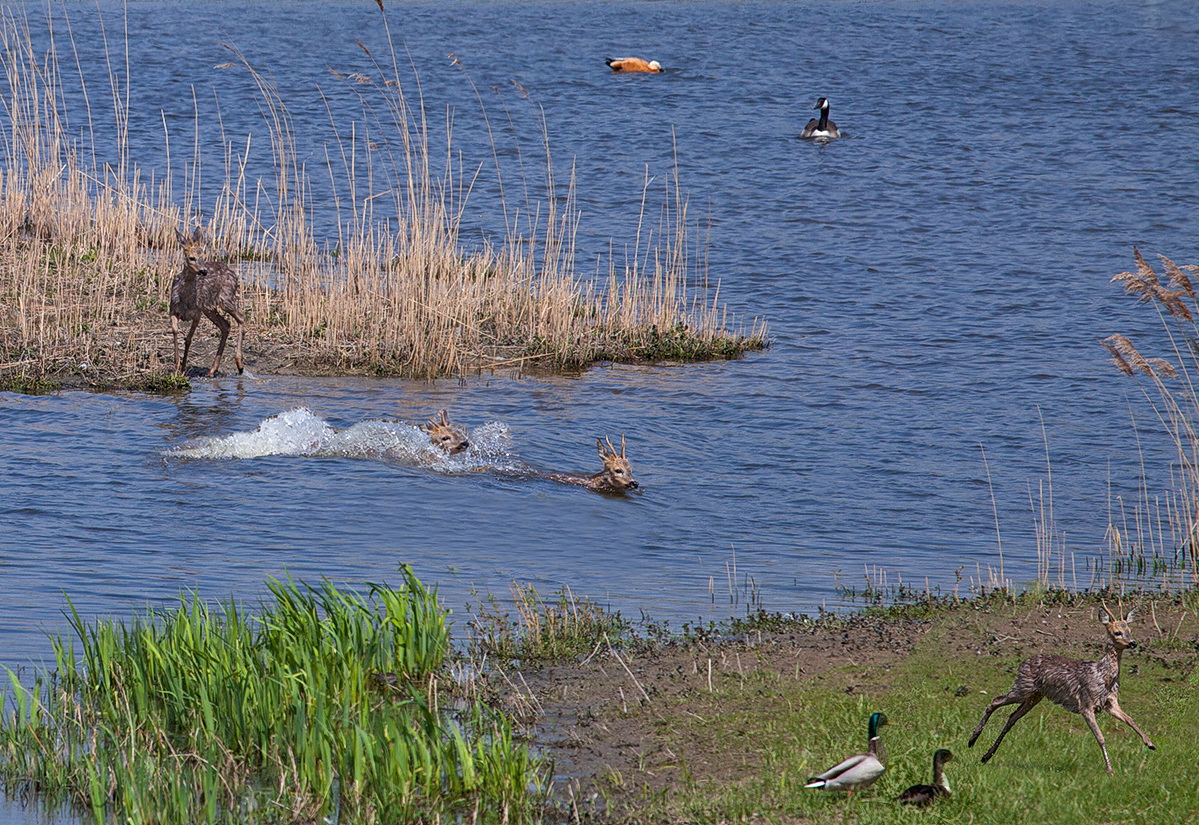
(935,284)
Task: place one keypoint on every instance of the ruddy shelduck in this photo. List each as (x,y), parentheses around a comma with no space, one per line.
(633,64)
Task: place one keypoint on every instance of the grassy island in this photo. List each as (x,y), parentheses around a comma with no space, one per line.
(88,246)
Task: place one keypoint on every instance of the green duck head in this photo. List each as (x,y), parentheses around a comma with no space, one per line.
(877,720)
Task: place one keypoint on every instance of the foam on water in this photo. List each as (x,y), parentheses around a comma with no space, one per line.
(299,432)
(295,432)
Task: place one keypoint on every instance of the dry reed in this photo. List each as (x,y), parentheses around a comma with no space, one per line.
(1160,542)
(87,250)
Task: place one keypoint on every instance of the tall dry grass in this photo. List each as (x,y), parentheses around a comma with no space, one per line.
(87,250)
(74,262)
(1157,538)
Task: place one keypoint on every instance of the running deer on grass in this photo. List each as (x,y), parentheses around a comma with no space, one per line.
(202,289)
(1080,687)
(445,435)
(615,477)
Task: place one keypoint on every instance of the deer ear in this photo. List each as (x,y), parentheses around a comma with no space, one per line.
(1110,616)
(197,236)
(179,234)
(1128,618)
(599,448)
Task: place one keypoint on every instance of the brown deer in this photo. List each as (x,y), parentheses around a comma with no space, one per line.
(615,477)
(1080,687)
(201,290)
(447,436)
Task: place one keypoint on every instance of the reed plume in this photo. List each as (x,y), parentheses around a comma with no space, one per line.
(1176,405)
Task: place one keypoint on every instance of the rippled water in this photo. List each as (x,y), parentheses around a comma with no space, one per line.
(935,283)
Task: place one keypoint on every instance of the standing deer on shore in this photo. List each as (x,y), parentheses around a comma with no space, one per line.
(202,289)
(615,477)
(1080,687)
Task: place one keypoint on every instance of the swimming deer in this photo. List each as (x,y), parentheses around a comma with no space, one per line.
(200,290)
(615,477)
(1080,687)
(447,436)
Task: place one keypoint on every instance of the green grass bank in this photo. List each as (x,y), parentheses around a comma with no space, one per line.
(728,723)
(325,705)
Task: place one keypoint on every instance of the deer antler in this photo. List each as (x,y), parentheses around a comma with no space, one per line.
(622,445)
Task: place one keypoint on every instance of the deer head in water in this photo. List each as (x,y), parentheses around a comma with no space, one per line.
(448,437)
(617,475)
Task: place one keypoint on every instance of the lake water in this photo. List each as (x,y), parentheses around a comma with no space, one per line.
(935,283)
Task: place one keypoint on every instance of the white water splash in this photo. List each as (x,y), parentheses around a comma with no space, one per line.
(295,432)
(299,432)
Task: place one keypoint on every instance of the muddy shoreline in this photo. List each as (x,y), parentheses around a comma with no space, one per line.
(148,366)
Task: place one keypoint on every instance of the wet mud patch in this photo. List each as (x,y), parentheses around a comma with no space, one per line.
(617,723)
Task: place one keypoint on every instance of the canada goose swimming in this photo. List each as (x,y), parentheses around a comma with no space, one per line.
(925,794)
(633,64)
(857,771)
(822,128)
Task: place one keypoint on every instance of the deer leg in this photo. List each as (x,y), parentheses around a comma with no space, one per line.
(1017,714)
(175,339)
(223,326)
(187,344)
(996,704)
(1089,715)
(241,335)
(1114,710)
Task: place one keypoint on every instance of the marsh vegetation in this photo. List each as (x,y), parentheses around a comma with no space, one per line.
(324,703)
(89,252)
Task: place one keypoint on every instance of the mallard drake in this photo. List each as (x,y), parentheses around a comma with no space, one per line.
(925,794)
(822,128)
(633,64)
(857,771)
